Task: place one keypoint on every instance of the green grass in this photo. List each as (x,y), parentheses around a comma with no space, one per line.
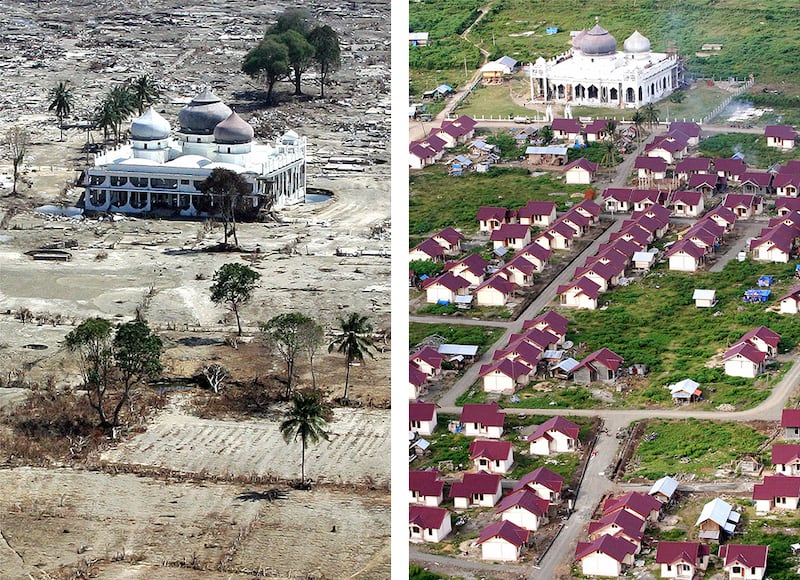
(481,336)
(707,444)
(438,200)
(781,565)
(754,147)
(494,101)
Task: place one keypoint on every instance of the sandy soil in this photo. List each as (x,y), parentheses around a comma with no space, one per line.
(52,518)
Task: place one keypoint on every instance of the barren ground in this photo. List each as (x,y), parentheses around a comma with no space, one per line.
(62,517)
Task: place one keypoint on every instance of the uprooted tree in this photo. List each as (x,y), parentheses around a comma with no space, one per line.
(115,362)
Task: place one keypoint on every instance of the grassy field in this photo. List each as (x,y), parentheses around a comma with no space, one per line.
(494,102)
(754,147)
(481,336)
(438,200)
(707,446)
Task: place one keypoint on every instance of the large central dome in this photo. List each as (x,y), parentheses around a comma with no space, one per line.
(203,113)
(598,42)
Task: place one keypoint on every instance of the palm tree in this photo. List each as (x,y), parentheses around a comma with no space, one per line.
(611,129)
(104,118)
(609,150)
(61,101)
(306,420)
(353,343)
(145,92)
(638,121)
(650,114)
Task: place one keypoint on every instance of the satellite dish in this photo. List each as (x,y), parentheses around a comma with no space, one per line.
(568,345)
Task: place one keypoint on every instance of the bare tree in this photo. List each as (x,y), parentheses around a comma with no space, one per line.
(16,141)
(215,374)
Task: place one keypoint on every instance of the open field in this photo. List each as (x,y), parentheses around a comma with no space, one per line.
(480,336)
(54,518)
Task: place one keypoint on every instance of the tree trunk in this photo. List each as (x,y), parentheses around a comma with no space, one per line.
(313,376)
(236,313)
(346,379)
(302,460)
(289,373)
(61,127)
(297,90)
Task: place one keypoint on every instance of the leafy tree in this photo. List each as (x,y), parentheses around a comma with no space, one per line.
(313,341)
(509,150)
(611,129)
(650,114)
(16,143)
(104,118)
(638,121)
(137,357)
(677,97)
(114,109)
(270,61)
(306,420)
(145,92)
(290,334)
(546,134)
(353,343)
(297,19)
(327,53)
(225,193)
(609,149)
(425,267)
(61,101)
(233,285)
(300,53)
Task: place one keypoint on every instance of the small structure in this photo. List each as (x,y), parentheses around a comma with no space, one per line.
(495,291)
(428,360)
(744,360)
(482,420)
(546,155)
(543,482)
(477,490)
(620,523)
(664,489)
(776,492)
(417,38)
(756,295)
(642,505)
(744,561)
(490,218)
(524,508)
(492,456)
(505,376)
(704,298)
(512,236)
(687,203)
(582,293)
(717,520)
(445,289)
(685,391)
(580,171)
(786,459)
(428,524)
(764,339)
(643,261)
(685,256)
(790,423)
(556,435)
(780,136)
(601,365)
(427,250)
(502,541)
(682,560)
(537,213)
(422,418)
(425,488)
(606,556)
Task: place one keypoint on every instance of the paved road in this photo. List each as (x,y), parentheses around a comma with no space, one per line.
(744,230)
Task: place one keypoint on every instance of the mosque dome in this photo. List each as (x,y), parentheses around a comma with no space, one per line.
(233,130)
(203,113)
(576,40)
(636,43)
(598,42)
(150,127)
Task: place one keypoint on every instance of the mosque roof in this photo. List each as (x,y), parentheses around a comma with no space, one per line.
(233,130)
(598,42)
(203,113)
(150,127)
(636,43)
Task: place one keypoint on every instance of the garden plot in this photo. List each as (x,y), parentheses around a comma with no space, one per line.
(358,450)
(61,517)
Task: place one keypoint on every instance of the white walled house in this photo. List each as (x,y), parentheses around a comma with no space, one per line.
(504,376)
(744,360)
(482,420)
(556,435)
(682,560)
(744,561)
(425,488)
(502,541)
(786,459)
(480,489)
(524,508)
(428,524)
(605,557)
(775,493)
(492,456)
(422,418)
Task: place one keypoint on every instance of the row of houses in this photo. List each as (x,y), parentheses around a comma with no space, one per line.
(437,247)
(430,149)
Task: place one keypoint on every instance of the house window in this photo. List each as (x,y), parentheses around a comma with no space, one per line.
(753,571)
(497,463)
(669,567)
(736,570)
(415,424)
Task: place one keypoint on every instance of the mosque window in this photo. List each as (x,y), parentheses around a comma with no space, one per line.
(118,180)
(96,179)
(139,181)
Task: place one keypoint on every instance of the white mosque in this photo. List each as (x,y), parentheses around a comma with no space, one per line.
(594,73)
(156,172)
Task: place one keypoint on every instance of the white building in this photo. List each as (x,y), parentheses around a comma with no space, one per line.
(160,173)
(593,73)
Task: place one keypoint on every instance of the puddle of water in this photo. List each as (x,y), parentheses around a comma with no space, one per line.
(316,198)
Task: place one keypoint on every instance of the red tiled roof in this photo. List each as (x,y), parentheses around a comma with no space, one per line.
(746,555)
(656,211)
(558,424)
(640,503)
(604,356)
(542,476)
(421,411)
(606,271)
(525,499)
(576,218)
(769,336)
(474,263)
(758,178)
(552,319)
(582,163)
(725,214)
(497,283)
(473,483)
(688,128)
(613,546)
(693,164)
(486,212)
(422,151)
(450,235)
(429,355)
(566,125)
(585,285)
(430,247)
(448,280)
(536,251)
(425,482)
(492,450)
(785,453)
(674,552)
(426,517)
(415,376)
(618,193)
(687,197)
(687,247)
(528,353)
(657,164)
(697,180)
(487,414)
(520,263)
(784,179)
(777,486)
(730,165)
(628,523)
(783,132)
(791,417)
(510,231)
(506,530)
(746,350)
(536,208)
(597,126)
(510,368)
(562,229)
(789,203)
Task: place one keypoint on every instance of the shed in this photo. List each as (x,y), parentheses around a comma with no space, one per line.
(704,298)
(765,281)
(754,295)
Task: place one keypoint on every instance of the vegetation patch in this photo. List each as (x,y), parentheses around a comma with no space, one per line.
(752,146)
(691,446)
(482,336)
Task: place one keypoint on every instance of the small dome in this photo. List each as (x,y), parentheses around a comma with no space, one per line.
(150,127)
(233,130)
(598,42)
(203,113)
(636,43)
(576,40)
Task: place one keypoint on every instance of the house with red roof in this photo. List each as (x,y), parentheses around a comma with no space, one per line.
(689,166)
(790,423)
(544,482)
(502,541)
(519,271)
(687,203)
(425,488)
(730,168)
(620,523)
(581,293)
(480,489)
(722,216)
(495,291)
(536,254)
(790,302)
(764,339)
(650,168)
(491,456)
(580,171)
(417,382)
(601,365)
(705,183)
(556,435)
(524,508)
(607,556)
(776,492)
(512,236)
(521,350)
(641,505)
(472,268)
(426,250)
(688,128)
(445,288)
(744,561)
(682,560)
(422,418)
(604,274)
(787,205)
(450,240)
(425,152)
(561,236)
(505,376)
(685,256)
(744,360)
(786,184)
(428,360)
(490,218)
(744,205)
(428,524)
(786,459)
(756,182)
(537,213)
(482,420)
(774,245)
(567,129)
(577,221)
(457,132)
(596,130)
(618,199)
(670,147)
(551,321)
(590,209)
(780,136)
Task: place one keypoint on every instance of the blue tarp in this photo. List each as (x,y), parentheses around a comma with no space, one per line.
(765,281)
(756,295)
